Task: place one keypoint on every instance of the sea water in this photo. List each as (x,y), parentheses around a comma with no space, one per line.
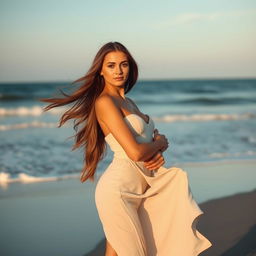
(204,121)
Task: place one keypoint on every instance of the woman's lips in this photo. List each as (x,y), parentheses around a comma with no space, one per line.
(119,78)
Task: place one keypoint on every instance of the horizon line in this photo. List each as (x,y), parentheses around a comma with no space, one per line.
(139,80)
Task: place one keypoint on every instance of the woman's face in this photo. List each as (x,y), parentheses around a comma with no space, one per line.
(115,68)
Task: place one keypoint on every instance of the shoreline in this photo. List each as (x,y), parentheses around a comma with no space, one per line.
(6,179)
(60,217)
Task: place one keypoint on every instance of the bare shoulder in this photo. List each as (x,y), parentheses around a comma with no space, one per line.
(109,113)
(103,99)
(103,103)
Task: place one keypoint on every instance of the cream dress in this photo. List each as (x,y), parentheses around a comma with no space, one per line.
(143,212)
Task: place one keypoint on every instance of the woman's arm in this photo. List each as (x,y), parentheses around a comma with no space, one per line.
(111,116)
(156,160)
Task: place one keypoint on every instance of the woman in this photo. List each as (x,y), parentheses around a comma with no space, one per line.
(144,208)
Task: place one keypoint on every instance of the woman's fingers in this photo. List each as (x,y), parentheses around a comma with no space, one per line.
(153,159)
(157,160)
(156,164)
(164,148)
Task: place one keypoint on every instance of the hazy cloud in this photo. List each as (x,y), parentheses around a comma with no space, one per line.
(189,18)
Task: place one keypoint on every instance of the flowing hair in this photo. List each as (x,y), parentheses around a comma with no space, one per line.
(90,136)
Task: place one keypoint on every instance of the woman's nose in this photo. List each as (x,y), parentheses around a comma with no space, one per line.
(119,70)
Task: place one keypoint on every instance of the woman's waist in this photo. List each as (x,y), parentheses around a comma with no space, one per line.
(120,161)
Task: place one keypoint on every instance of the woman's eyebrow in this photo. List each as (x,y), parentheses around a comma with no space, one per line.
(114,62)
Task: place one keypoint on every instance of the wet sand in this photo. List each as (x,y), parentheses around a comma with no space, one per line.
(60,217)
(229,223)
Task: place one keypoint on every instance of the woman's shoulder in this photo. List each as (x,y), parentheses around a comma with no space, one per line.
(105,101)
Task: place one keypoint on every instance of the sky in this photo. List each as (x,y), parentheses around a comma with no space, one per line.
(56,40)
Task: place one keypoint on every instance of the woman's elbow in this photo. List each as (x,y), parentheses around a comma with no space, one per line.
(135,156)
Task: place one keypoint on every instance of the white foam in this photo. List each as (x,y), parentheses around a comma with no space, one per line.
(38,111)
(252,139)
(5,178)
(34,124)
(205,117)
(30,111)
(235,154)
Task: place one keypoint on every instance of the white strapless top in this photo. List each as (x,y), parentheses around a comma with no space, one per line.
(142,131)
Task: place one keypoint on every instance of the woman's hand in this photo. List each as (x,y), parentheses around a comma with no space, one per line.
(154,162)
(158,136)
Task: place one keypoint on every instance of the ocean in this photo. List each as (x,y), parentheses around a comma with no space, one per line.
(204,120)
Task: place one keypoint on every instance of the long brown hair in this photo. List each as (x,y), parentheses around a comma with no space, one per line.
(90,136)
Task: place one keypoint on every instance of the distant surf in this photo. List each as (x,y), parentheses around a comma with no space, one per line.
(29,111)
(205,120)
(165,118)
(5,178)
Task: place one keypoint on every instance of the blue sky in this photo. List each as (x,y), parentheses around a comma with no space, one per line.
(56,40)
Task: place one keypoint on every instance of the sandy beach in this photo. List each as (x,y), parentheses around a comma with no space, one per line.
(60,217)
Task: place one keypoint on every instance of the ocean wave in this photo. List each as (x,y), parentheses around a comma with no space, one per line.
(195,101)
(205,117)
(34,124)
(13,97)
(29,111)
(5,178)
(202,90)
(249,139)
(216,101)
(166,119)
(233,154)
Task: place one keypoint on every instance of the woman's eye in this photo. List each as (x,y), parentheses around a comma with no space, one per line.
(124,65)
